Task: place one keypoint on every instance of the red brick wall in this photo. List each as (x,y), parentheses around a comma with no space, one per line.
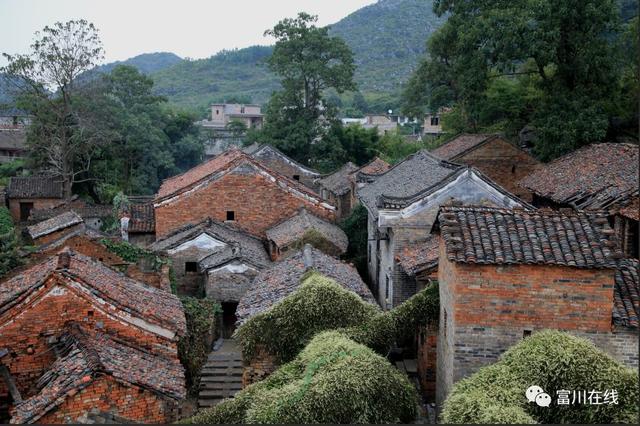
(542,296)
(47,316)
(259,367)
(105,394)
(427,360)
(257,202)
(88,247)
(55,236)
(503,163)
(38,203)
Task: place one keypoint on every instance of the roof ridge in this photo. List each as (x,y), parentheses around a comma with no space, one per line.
(267,145)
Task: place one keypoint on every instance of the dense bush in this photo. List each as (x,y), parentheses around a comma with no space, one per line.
(195,345)
(333,380)
(552,360)
(320,304)
(9,257)
(355,226)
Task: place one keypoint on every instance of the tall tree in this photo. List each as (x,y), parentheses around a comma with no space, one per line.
(563,53)
(309,61)
(62,136)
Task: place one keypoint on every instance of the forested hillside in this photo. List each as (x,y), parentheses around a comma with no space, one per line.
(146,63)
(387,39)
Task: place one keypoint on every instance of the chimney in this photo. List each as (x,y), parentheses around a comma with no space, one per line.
(64,260)
(307,257)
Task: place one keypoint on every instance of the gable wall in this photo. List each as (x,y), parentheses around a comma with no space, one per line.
(38,203)
(29,326)
(105,394)
(503,163)
(258,204)
(489,307)
(275,162)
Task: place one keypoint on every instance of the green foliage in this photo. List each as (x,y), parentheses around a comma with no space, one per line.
(131,253)
(341,144)
(318,304)
(333,380)
(557,65)
(394,147)
(552,360)
(9,169)
(9,257)
(355,226)
(194,346)
(309,62)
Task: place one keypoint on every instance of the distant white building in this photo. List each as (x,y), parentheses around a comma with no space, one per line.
(222,114)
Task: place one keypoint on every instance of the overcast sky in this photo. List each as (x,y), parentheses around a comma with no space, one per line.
(188,28)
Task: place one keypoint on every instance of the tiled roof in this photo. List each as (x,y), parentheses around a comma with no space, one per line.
(419,256)
(339,182)
(267,151)
(138,299)
(594,177)
(84,209)
(56,223)
(13,140)
(243,244)
(87,358)
(376,166)
(219,165)
(283,278)
(632,209)
(626,308)
(414,174)
(294,228)
(35,187)
(142,218)
(459,145)
(487,235)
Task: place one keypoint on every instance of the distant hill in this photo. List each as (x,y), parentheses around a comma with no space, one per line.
(387,38)
(240,74)
(146,63)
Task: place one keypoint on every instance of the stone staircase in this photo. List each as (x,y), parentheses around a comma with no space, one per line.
(221,375)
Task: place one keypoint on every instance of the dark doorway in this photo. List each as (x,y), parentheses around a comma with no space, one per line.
(228,319)
(25,211)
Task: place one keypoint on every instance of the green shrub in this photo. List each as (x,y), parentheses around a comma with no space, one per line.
(318,304)
(333,380)
(194,346)
(552,360)
(9,256)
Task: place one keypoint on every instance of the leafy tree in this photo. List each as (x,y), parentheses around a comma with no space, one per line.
(341,144)
(394,147)
(9,257)
(61,137)
(355,226)
(237,128)
(309,62)
(360,103)
(554,64)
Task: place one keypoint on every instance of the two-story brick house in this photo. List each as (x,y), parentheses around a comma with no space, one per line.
(233,187)
(505,273)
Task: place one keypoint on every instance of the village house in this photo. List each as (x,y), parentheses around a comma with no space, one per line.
(98,376)
(383,123)
(275,160)
(141,228)
(496,157)
(222,114)
(336,188)
(431,125)
(506,273)
(280,280)
(214,259)
(93,215)
(25,193)
(402,204)
(50,231)
(12,144)
(38,301)
(291,234)
(595,177)
(236,188)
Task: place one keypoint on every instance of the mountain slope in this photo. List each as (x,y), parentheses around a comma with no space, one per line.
(241,74)
(146,63)
(388,38)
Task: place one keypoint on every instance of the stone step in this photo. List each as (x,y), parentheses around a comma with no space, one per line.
(225,357)
(221,379)
(217,393)
(221,372)
(223,364)
(216,386)
(206,403)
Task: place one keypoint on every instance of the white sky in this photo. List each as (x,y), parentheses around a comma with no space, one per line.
(188,28)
